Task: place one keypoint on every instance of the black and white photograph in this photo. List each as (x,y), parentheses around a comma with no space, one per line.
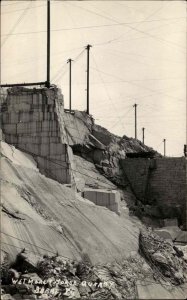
(93,149)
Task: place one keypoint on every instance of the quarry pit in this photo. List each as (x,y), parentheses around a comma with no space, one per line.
(77,205)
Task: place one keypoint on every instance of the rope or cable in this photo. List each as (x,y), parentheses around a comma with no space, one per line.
(141,31)
(17,23)
(151,58)
(31,245)
(132,28)
(84,27)
(59,70)
(107,91)
(58,75)
(9,12)
(122,117)
(132,83)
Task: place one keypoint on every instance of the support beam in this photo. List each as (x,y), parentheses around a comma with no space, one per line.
(135,115)
(22,84)
(164,140)
(69,61)
(48,44)
(143,135)
(88,78)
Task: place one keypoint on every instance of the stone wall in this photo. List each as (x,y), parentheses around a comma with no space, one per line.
(137,172)
(30,121)
(160,182)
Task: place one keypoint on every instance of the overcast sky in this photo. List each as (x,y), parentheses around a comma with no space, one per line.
(138,56)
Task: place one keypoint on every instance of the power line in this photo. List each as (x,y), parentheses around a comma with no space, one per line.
(107,91)
(41,57)
(9,12)
(83,27)
(132,28)
(151,58)
(121,53)
(16,24)
(59,71)
(135,28)
(132,83)
(121,117)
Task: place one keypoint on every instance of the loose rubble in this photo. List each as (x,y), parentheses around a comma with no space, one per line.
(164,257)
(59,278)
(56,277)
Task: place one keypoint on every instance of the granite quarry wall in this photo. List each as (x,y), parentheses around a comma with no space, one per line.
(159,181)
(30,121)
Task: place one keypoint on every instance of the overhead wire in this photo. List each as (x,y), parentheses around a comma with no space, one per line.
(39,57)
(69,29)
(141,22)
(57,76)
(114,125)
(21,9)
(145,56)
(132,83)
(106,90)
(16,24)
(126,25)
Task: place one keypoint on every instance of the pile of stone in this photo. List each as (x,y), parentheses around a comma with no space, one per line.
(59,278)
(167,259)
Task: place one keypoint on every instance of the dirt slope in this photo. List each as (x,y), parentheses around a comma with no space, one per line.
(42,212)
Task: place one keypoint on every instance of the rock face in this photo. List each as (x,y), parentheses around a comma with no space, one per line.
(40,213)
(164,257)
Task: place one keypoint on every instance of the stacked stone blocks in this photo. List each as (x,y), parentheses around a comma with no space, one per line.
(109,199)
(30,122)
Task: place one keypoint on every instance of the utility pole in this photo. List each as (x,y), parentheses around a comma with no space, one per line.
(69,61)
(88,77)
(164,140)
(135,111)
(48,44)
(143,130)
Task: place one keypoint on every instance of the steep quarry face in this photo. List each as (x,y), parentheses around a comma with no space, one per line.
(44,216)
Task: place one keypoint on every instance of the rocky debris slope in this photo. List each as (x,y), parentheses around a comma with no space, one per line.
(163,256)
(58,278)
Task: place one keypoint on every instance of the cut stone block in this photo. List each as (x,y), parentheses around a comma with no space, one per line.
(57,148)
(109,199)
(10,128)
(45,150)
